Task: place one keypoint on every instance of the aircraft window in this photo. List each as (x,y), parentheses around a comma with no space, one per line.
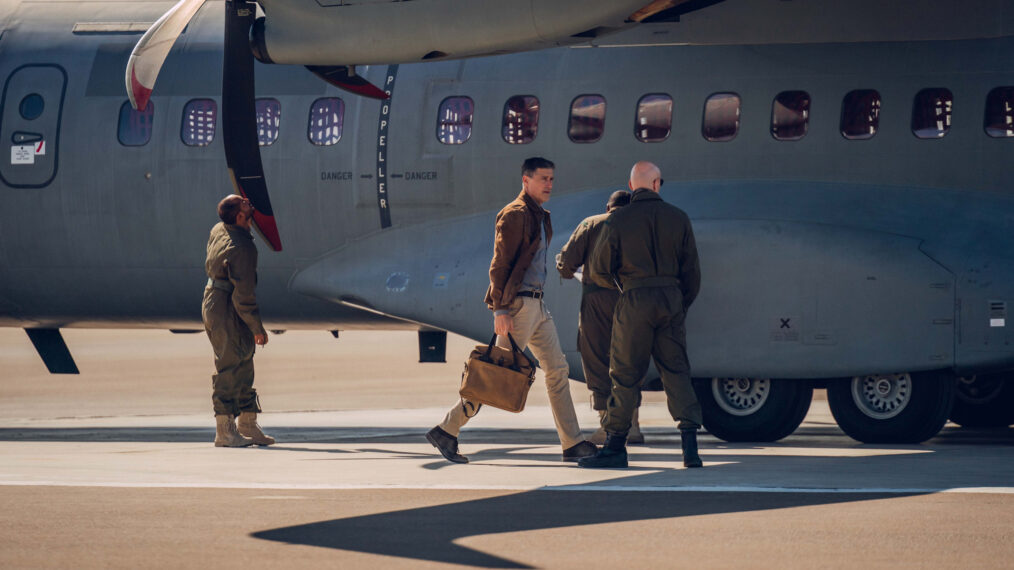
(520,119)
(654,118)
(327,116)
(454,122)
(199,118)
(931,113)
(999,120)
(790,115)
(269,117)
(587,118)
(860,114)
(134,128)
(32,106)
(721,117)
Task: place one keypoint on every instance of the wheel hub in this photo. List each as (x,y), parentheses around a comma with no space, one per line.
(883,387)
(740,396)
(882,396)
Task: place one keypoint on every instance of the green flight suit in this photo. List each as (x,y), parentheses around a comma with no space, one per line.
(595,320)
(231,317)
(648,247)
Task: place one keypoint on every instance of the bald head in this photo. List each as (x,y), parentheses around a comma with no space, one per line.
(229,207)
(645,175)
(237,210)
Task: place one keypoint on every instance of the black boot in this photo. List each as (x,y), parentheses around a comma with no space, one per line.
(612,455)
(690,456)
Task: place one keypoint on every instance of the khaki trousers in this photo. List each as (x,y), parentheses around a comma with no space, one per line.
(533,328)
(649,323)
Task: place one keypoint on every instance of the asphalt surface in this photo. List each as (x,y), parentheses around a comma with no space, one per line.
(115,469)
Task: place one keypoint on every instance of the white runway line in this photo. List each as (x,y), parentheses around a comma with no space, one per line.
(575,487)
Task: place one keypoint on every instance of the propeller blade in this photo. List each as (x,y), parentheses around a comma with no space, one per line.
(343,78)
(239,119)
(151,50)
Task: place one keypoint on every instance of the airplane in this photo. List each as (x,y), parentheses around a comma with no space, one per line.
(845,166)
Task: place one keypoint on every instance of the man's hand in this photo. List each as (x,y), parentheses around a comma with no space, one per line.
(503,324)
(261,339)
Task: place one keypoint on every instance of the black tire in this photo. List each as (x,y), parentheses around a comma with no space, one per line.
(760,418)
(984,401)
(892,408)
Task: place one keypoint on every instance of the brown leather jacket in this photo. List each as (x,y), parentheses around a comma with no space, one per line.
(518,231)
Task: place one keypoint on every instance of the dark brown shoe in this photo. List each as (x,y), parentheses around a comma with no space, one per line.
(583,449)
(446,444)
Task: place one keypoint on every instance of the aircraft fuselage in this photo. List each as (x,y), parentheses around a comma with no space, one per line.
(822,257)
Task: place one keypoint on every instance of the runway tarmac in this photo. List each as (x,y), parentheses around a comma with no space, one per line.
(114,469)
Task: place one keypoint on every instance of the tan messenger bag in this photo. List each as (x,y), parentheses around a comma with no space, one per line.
(498,376)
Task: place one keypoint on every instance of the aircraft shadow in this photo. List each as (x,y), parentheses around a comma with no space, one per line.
(433,533)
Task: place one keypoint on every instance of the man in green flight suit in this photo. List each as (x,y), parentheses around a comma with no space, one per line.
(595,321)
(233,323)
(648,249)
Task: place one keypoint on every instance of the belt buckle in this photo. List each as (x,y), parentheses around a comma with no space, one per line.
(537,294)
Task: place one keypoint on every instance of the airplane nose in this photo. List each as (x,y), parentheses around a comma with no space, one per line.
(435,274)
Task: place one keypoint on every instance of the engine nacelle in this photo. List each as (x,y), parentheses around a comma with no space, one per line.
(355,32)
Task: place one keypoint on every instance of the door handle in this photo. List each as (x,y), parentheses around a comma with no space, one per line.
(21,137)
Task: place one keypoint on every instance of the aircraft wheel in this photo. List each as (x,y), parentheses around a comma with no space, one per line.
(984,401)
(892,408)
(752,409)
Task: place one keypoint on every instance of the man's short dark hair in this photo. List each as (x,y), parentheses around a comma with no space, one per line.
(229,207)
(619,199)
(534,163)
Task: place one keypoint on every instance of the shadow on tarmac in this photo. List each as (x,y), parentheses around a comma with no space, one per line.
(812,436)
(433,533)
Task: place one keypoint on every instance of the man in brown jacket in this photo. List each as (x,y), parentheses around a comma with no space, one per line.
(595,321)
(648,249)
(233,323)
(517,276)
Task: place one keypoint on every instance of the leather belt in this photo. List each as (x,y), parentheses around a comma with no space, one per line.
(532,294)
(222,284)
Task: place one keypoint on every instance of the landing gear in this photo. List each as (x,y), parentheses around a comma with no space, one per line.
(752,409)
(984,401)
(892,408)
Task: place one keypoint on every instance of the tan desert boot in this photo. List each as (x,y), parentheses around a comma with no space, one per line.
(599,437)
(634,436)
(226,434)
(248,428)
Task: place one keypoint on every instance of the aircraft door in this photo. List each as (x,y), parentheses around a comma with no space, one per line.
(32,106)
